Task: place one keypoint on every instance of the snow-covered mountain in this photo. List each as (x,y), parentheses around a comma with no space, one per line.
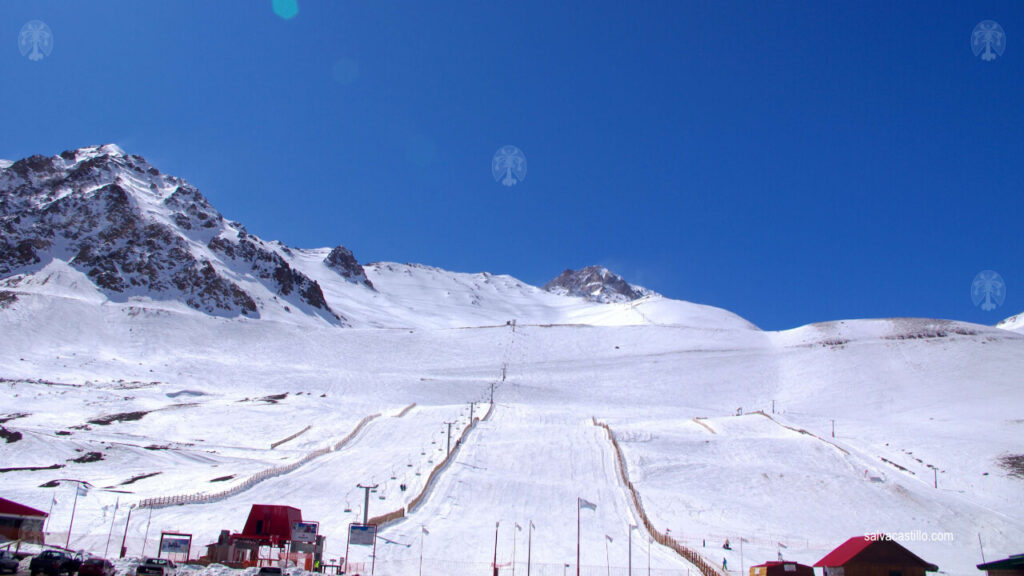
(596,284)
(135,232)
(1015,323)
(784,442)
(142,237)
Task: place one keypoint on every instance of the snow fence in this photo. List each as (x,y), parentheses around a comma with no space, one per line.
(395,515)
(692,556)
(200,498)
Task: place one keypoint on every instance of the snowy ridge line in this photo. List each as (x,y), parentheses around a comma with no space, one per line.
(690,555)
(200,498)
(384,519)
(802,431)
(290,438)
(405,410)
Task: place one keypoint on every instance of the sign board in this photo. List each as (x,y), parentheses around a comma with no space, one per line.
(304,532)
(362,534)
(173,543)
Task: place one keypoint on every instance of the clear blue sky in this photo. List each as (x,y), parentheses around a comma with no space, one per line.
(793,162)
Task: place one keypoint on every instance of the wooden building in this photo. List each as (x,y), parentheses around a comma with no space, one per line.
(1012,566)
(20,522)
(873,555)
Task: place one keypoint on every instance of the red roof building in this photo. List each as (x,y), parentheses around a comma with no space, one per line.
(873,555)
(781,568)
(1012,566)
(269,524)
(20,522)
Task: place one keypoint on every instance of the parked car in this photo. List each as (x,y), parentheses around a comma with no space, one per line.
(8,563)
(156,567)
(54,563)
(269,571)
(96,567)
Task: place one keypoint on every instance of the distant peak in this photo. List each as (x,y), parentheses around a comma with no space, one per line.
(596,284)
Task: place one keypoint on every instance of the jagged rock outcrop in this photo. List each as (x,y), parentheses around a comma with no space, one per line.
(342,261)
(596,284)
(137,232)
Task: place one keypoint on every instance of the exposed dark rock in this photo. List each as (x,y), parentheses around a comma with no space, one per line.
(595,284)
(136,232)
(342,261)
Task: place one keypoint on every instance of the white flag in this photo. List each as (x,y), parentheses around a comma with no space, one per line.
(586,504)
(425,531)
(82,490)
(518,527)
(609,538)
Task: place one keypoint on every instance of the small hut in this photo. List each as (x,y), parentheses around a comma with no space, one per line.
(781,568)
(873,555)
(20,522)
(1012,566)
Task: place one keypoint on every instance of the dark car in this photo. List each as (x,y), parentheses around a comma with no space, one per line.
(269,571)
(8,563)
(96,567)
(54,563)
(156,567)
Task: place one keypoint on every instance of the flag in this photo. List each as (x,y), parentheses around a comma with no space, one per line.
(518,527)
(587,505)
(609,538)
(532,527)
(424,528)
(82,490)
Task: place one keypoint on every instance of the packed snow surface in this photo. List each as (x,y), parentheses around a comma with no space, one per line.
(726,430)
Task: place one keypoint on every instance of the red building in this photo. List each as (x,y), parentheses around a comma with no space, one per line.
(774,568)
(269,525)
(20,522)
(874,555)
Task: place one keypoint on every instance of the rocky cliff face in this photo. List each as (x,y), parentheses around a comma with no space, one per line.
(137,232)
(595,284)
(342,261)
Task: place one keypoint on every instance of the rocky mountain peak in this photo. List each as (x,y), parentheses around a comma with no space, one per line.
(137,232)
(596,284)
(342,261)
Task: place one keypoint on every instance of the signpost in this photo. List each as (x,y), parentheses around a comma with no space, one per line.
(175,543)
(361,535)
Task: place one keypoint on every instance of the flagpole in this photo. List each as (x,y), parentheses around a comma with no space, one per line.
(421,550)
(110,534)
(607,557)
(495,564)
(514,549)
(529,547)
(577,536)
(67,544)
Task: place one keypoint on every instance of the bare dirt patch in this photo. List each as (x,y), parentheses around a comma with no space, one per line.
(122,417)
(9,435)
(87,458)
(1013,463)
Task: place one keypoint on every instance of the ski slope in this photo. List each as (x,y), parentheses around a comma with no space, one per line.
(216,393)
